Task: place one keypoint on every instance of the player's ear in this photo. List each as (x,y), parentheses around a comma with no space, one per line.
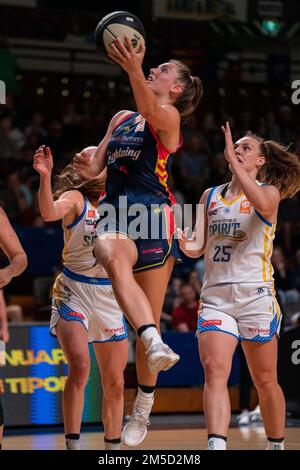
(261,160)
(176,88)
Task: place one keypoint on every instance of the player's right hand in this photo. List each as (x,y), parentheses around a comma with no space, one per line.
(43,161)
(183,238)
(81,163)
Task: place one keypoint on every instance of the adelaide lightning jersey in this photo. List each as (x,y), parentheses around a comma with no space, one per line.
(138,165)
(239,241)
(79,238)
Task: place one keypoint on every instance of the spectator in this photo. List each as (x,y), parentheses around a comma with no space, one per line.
(185,316)
(283,279)
(9,149)
(195,282)
(295,274)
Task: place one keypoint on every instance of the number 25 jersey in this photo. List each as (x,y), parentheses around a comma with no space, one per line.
(239,241)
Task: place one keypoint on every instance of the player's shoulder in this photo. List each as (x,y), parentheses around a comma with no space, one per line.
(119,117)
(74,196)
(270,189)
(207,194)
(72,193)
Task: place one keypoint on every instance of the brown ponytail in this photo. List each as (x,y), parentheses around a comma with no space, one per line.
(69,179)
(282,168)
(192,93)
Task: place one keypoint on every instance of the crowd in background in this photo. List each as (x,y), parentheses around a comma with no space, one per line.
(68,122)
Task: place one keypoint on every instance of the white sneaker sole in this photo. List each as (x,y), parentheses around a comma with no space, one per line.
(130,443)
(158,362)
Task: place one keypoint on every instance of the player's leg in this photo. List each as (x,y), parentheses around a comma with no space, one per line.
(118,256)
(112,360)
(262,361)
(73,339)
(154,284)
(216,350)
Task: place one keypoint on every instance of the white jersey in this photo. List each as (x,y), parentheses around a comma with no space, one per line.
(239,241)
(79,238)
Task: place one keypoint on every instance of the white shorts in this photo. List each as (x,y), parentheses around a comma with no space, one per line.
(248,311)
(93,305)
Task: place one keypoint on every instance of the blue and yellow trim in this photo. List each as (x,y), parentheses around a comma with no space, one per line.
(99,281)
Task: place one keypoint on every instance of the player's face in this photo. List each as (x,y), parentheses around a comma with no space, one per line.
(162,78)
(247,151)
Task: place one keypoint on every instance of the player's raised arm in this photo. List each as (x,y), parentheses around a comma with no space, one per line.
(265,199)
(184,91)
(69,202)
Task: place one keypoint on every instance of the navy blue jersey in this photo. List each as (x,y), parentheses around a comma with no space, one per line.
(138,165)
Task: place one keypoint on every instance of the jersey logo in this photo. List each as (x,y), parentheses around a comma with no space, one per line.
(238,236)
(91,214)
(245,207)
(212,204)
(140,121)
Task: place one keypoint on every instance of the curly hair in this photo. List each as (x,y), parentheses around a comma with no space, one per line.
(69,180)
(282,167)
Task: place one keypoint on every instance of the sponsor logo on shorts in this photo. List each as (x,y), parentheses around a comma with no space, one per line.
(152,250)
(77,315)
(245,207)
(260,290)
(211,323)
(115,330)
(261,331)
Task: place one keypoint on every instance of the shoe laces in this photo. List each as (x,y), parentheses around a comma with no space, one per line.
(138,418)
(157,347)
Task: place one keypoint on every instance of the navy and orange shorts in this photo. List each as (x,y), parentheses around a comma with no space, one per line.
(151,228)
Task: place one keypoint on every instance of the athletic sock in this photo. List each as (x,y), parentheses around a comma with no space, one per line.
(112,444)
(149,335)
(216,442)
(275,444)
(146,388)
(144,401)
(72,441)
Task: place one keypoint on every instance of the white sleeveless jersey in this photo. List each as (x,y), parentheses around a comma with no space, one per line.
(239,241)
(79,238)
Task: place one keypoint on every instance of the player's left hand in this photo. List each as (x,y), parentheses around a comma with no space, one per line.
(229,151)
(126,56)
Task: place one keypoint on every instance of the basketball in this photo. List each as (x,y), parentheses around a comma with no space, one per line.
(119,24)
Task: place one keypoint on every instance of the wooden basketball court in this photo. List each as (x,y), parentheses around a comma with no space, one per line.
(170,439)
